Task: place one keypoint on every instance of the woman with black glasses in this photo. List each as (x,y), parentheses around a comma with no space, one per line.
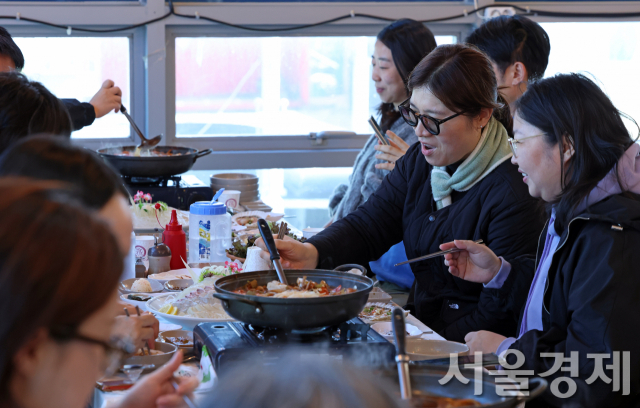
(457,182)
(59,270)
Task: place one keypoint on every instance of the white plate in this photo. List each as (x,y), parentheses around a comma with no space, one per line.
(420,349)
(273,217)
(187,323)
(386,327)
(141,305)
(125,286)
(164,277)
(169,327)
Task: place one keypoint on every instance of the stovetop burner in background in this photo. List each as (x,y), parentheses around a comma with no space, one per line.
(177,191)
(168,181)
(231,343)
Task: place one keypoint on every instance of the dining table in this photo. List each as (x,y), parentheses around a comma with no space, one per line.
(102,399)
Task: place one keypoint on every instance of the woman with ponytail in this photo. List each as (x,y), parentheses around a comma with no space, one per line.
(457,183)
(398,49)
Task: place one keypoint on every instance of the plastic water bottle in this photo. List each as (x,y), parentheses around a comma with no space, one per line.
(129,270)
(209,232)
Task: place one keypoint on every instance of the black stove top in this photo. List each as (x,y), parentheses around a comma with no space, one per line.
(164,181)
(231,343)
(177,191)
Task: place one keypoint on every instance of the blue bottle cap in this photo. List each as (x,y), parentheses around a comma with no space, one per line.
(207,208)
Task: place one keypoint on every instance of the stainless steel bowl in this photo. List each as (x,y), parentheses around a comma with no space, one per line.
(177,285)
(158,360)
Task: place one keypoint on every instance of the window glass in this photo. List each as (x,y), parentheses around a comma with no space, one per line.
(274,85)
(609,53)
(75,68)
(301,194)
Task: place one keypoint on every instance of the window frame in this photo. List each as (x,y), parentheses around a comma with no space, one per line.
(292,151)
(152,59)
(136,76)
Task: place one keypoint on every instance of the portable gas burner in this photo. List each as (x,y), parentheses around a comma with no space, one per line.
(177,191)
(235,342)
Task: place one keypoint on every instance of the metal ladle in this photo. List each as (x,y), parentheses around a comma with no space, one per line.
(144,142)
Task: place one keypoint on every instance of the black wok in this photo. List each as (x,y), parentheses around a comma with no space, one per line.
(425,380)
(297,313)
(152,166)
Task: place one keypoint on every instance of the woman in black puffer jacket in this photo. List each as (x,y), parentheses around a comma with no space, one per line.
(457,183)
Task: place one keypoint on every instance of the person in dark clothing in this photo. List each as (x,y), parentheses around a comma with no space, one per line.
(519,50)
(82,114)
(28,108)
(456,182)
(576,154)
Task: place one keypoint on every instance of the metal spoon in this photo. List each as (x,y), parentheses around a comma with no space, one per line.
(144,142)
(399,332)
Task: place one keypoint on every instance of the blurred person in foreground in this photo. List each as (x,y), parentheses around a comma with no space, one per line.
(107,99)
(59,270)
(293,383)
(100,189)
(519,50)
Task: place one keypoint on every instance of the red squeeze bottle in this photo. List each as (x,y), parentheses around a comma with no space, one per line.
(175,238)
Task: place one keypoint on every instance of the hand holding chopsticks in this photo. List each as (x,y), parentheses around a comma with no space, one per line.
(159,388)
(471,261)
(138,331)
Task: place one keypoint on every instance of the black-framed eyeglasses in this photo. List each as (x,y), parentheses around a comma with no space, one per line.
(113,356)
(431,124)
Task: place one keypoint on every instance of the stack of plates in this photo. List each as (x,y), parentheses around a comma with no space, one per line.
(256,206)
(247,184)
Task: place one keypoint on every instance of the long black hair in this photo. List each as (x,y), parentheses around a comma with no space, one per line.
(409,42)
(573,109)
(52,253)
